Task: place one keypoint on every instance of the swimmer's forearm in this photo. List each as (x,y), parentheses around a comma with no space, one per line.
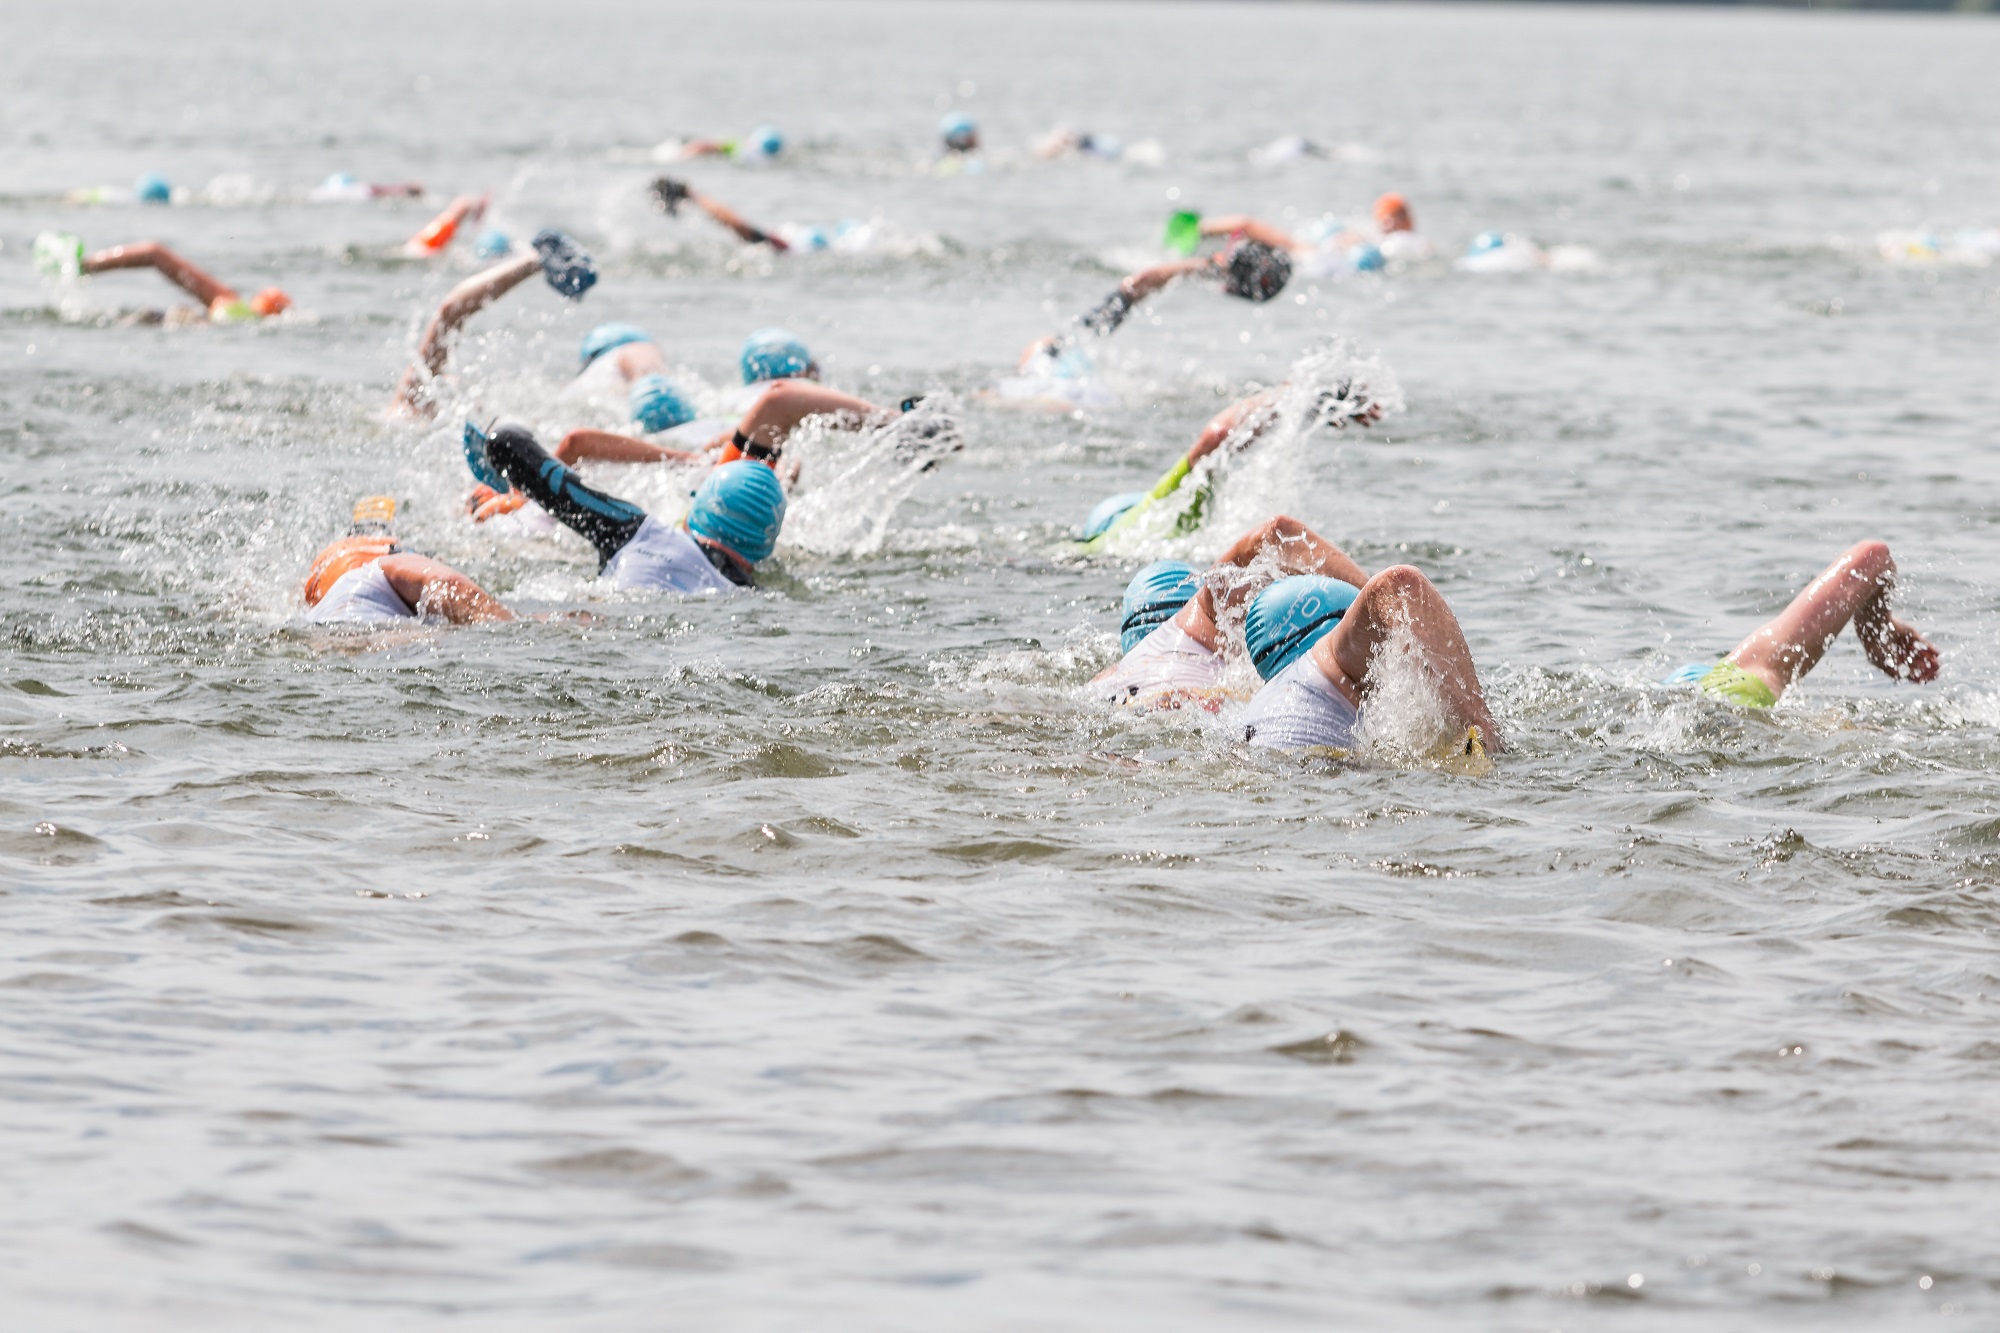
(611,447)
(202,286)
(787,403)
(467,299)
(1146,281)
(728,218)
(1255,228)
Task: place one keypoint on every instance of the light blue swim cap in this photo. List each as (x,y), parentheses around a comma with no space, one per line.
(773,354)
(765,141)
(491,243)
(658,405)
(1291,616)
(606,337)
(740,505)
(958,130)
(809,238)
(1484,241)
(1368,259)
(152,188)
(1153,596)
(1107,513)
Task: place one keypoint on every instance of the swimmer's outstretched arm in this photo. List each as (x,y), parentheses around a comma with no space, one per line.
(1111,312)
(780,409)
(1253,411)
(1855,587)
(1400,598)
(1242,224)
(460,304)
(433,587)
(202,286)
(437,233)
(614,448)
(1138,286)
(668,193)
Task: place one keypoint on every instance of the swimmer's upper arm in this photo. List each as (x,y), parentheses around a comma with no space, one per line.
(427,584)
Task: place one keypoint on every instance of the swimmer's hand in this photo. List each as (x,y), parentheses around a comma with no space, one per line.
(668,195)
(567,266)
(496,505)
(1898,650)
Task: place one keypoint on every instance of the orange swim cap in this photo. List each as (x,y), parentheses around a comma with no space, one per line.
(1392,213)
(270,301)
(344,557)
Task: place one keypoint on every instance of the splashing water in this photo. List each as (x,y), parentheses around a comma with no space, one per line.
(1267,461)
(851,481)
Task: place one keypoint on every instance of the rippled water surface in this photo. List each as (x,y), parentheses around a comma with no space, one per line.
(814,958)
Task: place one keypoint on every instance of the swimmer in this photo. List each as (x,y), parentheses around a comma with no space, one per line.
(63,253)
(1171,629)
(731,525)
(368,576)
(762,144)
(558,258)
(960,135)
(150,188)
(1065,142)
(769,355)
(1365,249)
(1780,652)
(1323,645)
(669,194)
(1229,432)
(439,231)
(341,188)
(761,435)
(1248,268)
(1289,148)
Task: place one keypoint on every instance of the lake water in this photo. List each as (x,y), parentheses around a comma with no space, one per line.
(815,959)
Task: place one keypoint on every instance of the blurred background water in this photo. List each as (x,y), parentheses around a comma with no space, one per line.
(816,957)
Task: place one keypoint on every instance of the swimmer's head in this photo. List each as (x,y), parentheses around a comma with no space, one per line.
(1256,272)
(764,141)
(605,337)
(1392,213)
(1291,616)
(1107,513)
(1152,598)
(1368,258)
(960,134)
(492,243)
(773,354)
(269,302)
(740,507)
(657,405)
(1484,242)
(153,188)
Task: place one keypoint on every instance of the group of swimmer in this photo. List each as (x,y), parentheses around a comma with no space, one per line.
(1321,633)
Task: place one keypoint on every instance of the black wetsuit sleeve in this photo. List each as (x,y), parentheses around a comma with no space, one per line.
(1108,314)
(605,521)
